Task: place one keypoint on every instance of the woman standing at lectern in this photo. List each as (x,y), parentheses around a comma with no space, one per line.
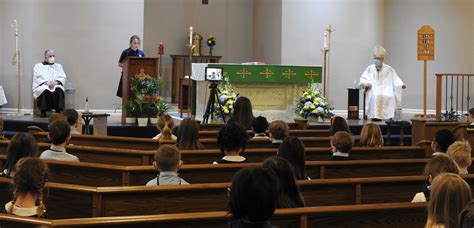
(133,51)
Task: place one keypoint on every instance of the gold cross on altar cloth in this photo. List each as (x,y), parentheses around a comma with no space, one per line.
(311,74)
(289,74)
(267,73)
(244,73)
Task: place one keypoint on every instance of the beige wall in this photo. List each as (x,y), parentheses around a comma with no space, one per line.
(88,37)
(267,31)
(453,25)
(230,21)
(358,25)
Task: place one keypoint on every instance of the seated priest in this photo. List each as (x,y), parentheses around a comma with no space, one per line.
(383,88)
(48,81)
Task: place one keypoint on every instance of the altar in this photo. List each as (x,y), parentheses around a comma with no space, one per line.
(273,89)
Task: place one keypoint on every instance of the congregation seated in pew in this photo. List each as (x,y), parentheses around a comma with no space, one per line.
(260,126)
(292,149)
(167,162)
(371,136)
(460,152)
(59,135)
(21,145)
(231,141)
(165,126)
(290,195)
(74,120)
(243,113)
(341,144)
(466,218)
(450,194)
(278,131)
(441,141)
(252,198)
(437,165)
(28,183)
(188,135)
(339,124)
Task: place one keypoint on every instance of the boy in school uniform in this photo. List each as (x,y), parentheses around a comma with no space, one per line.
(59,135)
(341,144)
(259,126)
(73,119)
(460,152)
(167,162)
(279,130)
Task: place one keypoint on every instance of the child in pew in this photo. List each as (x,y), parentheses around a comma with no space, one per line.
(165,126)
(441,141)
(167,162)
(259,126)
(278,131)
(231,140)
(188,135)
(371,136)
(243,113)
(290,195)
(339,124)
(292,149)
(341,144)
(28,184)
(252,198)
(437,165)
(450,194)
(22,145)
(74,120)
(460,152)
(59,135)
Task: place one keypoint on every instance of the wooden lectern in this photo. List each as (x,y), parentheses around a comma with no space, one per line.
(131,67)
(353,104)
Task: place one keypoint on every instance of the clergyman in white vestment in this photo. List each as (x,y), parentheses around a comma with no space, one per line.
(48,81)
(383,86)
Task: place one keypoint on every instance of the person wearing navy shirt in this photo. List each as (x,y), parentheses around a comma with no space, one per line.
(132,51)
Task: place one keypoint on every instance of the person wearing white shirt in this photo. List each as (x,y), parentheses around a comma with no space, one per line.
(48,82)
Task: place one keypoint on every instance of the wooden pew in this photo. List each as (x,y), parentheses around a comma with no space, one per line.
(297,133)
(151,144)
(93,174)
(218,126)
(116,156)
(65,200)
(372,215)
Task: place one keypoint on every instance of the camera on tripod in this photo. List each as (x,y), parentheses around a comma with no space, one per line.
(214,75)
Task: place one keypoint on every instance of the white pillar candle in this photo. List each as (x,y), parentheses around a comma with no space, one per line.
(326,41)
(190,35)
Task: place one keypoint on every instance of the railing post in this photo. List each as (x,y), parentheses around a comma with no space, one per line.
(439,82)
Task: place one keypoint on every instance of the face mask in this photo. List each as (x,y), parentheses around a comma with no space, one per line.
(51,60)
(377,63)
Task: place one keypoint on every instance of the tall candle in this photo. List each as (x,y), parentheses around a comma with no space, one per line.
(190,35)
(326,41)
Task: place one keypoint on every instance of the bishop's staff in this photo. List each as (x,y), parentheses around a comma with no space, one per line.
(16,61)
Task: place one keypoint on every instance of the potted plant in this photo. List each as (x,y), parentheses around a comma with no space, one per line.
(132,112)
(141,111)
(313,106)
(162,107)
(152,112)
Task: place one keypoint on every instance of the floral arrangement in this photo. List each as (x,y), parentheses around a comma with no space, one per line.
(147,102)
(312,104)
(227,98)
(211,42)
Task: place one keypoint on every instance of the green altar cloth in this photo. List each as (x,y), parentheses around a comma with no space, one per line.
(271,73)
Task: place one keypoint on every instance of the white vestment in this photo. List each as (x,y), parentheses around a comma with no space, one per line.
(385,94)
(44,73)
